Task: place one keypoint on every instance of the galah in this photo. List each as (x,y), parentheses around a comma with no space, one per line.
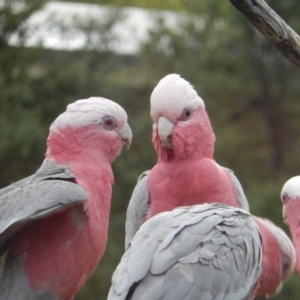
(186,172)
(200,252)
(53,224)
(279,258)
(290,197)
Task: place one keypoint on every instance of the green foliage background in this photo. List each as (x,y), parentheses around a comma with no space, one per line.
(250,90)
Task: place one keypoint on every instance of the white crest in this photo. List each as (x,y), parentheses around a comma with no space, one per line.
(174,93)
(292,188)
(89,111)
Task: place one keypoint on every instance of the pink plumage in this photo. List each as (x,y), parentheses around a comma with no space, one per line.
(290,197)
(185,173)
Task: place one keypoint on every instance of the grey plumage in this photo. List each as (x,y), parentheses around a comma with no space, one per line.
(241,197)
(137,208)
(21,290)
(139,203)
(50,190)
(209,251)
(13,186)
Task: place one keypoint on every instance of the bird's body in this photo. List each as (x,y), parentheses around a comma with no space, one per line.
(56,232)
(186,172)
(81,228)
(209,251)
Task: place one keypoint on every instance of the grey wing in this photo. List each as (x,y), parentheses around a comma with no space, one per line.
(137,208)
(47,170)
(38,197)
(14,186)
(241,197)
(12,271)
(201,252)
(53,170)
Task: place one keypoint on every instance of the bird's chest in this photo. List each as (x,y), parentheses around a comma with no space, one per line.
(184,184)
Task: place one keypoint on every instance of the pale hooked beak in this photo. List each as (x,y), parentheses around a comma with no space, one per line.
(126,135)
(285,221)
(276,292)
(165,129)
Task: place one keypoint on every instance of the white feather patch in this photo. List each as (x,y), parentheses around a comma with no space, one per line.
(89,111)
(173,94)
(292,188)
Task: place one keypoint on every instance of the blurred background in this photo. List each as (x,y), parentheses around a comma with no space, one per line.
(53,53)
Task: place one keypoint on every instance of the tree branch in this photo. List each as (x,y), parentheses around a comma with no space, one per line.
(272,26)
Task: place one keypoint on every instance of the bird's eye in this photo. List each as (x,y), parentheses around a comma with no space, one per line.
(108,122)
(285,198)
(186,114)
(285,264)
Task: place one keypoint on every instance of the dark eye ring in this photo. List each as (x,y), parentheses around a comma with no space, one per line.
(188,113)
(108,122)
(285,198)
(286,264)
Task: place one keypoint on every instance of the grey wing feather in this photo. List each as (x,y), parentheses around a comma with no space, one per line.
(13,271)
(241,197)
(137,208)
(14,186)
(52,170)
(174,257)
(37,198)
(47,170)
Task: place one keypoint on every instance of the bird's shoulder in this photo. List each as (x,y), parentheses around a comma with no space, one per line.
(51,189)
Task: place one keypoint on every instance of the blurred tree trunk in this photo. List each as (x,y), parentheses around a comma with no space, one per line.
(268,106)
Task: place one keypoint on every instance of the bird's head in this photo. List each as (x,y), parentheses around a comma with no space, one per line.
(181,127)
(290,196)
(94,126)
(279,258)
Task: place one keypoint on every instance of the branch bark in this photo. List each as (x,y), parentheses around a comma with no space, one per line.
(272,26)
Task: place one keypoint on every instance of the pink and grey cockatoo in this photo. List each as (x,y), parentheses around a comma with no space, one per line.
(185,173)
(53,225)
(199,252)
(290,197)
(279,258)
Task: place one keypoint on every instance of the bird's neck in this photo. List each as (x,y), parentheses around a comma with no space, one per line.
(292,212)
(86,144)
(85,151)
